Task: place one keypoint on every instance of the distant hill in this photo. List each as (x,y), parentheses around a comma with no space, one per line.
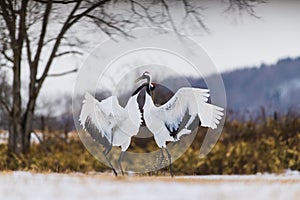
(275,87)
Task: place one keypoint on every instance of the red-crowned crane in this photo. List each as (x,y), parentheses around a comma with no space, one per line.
(110,124)
(164,121)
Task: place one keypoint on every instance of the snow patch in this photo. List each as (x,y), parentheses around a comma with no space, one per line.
(26,185)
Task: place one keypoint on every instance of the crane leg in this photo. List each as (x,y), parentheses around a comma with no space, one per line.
(105,154)
(161,159)
(170,161)
(119,162)
(192,117)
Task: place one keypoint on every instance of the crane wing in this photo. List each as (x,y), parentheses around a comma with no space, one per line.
(98,117)
(192,101)
(133,118)
(108,123)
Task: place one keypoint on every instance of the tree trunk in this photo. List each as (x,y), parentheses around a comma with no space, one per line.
(20,128)
(19,137)
(27,123)
(16,135)
(27,126)
(19,133)
(15,142)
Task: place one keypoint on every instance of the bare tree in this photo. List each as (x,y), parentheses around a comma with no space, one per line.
(26,35)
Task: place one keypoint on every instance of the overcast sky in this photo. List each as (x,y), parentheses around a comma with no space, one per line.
(237,42)
(233,42)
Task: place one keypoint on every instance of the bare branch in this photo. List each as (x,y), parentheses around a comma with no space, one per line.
(100,22)
(43,31)
(244,5)
(28,48)
(165,5)
(52,40)
(3,52)
(86,12)
(194,11)
(145,9)
(57,1)
(68,52)
(22,26)
(60,36)
(63,73)
(71,20)
(9,20)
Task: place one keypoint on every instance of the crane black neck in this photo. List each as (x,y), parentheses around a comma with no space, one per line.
(140,88)
(147,85)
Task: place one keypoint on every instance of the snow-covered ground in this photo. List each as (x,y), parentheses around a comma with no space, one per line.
(26,185)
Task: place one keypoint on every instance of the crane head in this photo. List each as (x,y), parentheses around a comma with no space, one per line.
(145,76)
(151,86)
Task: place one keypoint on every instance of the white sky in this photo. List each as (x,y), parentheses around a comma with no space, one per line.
(247,41)
(233,42)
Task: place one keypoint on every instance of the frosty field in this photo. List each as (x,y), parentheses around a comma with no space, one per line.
(26,185)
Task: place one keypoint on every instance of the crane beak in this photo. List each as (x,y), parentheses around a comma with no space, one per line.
(140,78)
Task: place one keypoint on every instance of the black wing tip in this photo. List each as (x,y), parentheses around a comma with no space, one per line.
(173,132)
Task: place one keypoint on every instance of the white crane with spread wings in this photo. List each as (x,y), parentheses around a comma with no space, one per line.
(165,121)
(110,124)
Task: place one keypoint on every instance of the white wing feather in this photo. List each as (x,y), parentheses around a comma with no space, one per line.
(193,100)
(115,123)
(101,118)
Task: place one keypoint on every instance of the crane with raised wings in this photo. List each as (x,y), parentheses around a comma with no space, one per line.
(165,121)
(110,124)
